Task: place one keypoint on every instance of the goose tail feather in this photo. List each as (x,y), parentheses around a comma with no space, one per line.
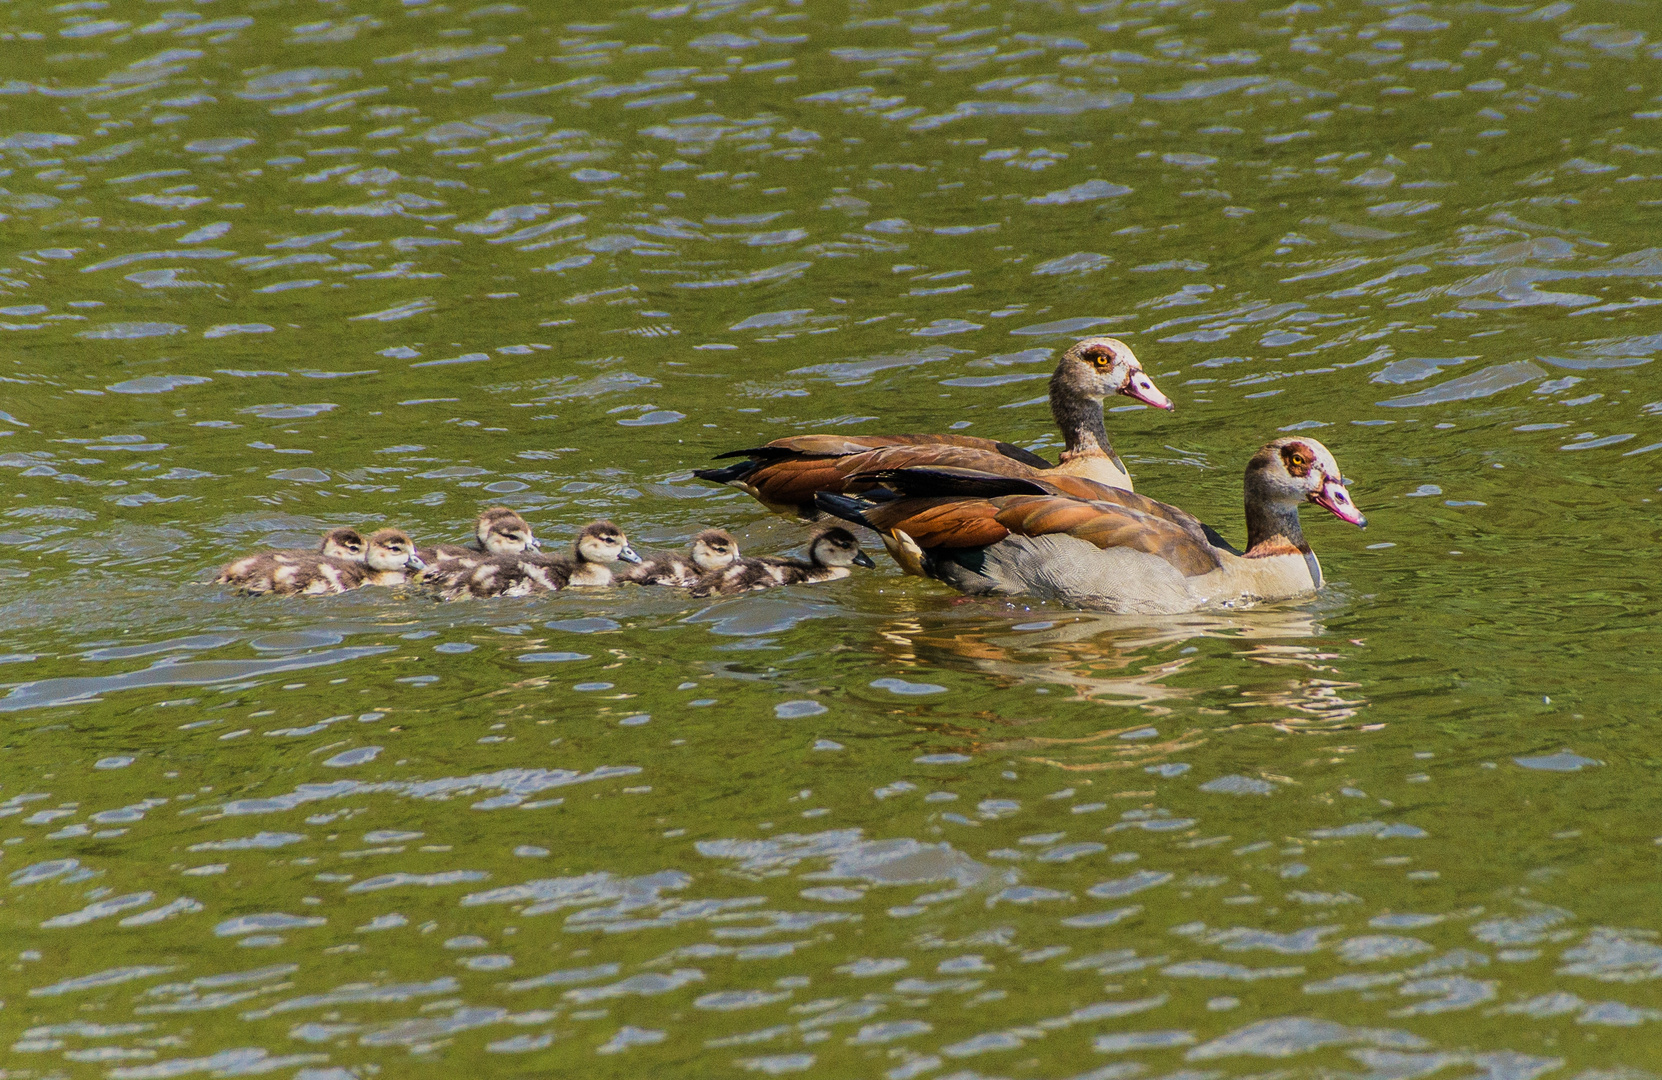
(728,474)
(843,506)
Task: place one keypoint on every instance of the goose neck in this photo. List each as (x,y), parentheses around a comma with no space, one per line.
(1080,420)
(1272,523)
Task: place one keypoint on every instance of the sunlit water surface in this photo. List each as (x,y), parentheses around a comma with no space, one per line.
(273,266)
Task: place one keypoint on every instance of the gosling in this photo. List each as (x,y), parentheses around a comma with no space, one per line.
(830,554)
(598,548)
(497,531)
(711,550)
(344,545)
(388,557)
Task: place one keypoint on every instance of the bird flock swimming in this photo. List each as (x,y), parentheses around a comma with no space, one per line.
(987,518)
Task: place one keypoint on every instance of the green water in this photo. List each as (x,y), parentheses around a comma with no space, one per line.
(276,266)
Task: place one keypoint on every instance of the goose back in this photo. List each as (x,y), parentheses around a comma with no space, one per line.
(785,475)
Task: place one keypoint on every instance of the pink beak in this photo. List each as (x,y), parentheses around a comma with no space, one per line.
(1335,499)
(1142,388)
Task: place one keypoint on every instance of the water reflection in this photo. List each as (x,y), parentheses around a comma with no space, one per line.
(1076,650)
(277,270)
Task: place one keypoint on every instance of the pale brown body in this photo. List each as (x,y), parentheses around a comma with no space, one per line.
(1116,552)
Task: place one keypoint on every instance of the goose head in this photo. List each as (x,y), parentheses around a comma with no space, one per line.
(603,542)
(344,544)
(713,549)
(838,547)
(1097,368)
(503,532)
(1296,470)
(392,549)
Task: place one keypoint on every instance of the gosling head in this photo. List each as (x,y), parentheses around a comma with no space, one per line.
(344,544)
(392,549)
(837,547)
(603,542)
(1296,470)
(503,532)
(1100,367)
(714,549)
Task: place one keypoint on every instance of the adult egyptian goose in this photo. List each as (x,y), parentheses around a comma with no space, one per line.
(830,553)
(598,548)
(388,557)
(1008,536)
(344,544)
(785,474)
(497,531)
(712,549)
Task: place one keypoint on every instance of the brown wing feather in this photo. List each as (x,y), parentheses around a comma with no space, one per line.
(937,523)
(1108,525)
(945,468)
(1080,488)
(931,455)
(792,482)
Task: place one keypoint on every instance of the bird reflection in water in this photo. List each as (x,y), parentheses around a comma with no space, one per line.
(1125,661)
(1321,703)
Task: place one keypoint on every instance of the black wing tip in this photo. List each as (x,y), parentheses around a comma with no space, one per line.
(842,506)
(729,473)
(1026,457)
(1216,539)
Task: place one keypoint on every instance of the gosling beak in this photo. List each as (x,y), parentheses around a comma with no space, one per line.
(414,562)
(1336,500)
(628,554)
(534,544)
(1141,388)
(862,559)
